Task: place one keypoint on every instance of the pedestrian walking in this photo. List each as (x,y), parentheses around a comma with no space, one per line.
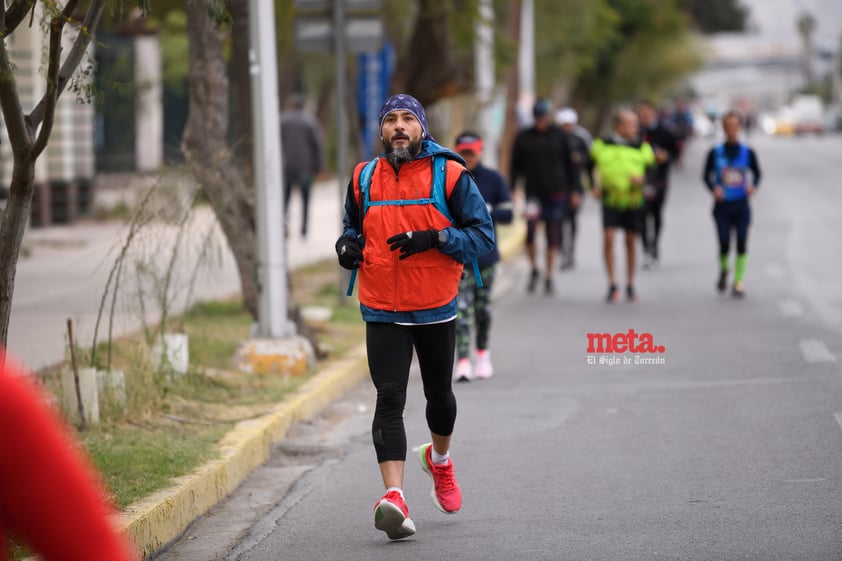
(621,161)
(50,496)
(413,216)
(543,156)
(302,144)
(567,118)
(665,147)
(474,310)
(732,174)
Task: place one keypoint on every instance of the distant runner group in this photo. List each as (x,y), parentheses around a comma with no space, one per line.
(628,171)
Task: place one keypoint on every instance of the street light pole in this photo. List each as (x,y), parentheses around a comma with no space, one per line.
(269,211)
(484,68)
(526,60)
(341,123)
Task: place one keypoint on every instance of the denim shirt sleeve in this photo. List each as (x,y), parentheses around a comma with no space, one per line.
(473,235)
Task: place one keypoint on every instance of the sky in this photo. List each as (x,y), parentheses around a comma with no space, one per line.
(775,19)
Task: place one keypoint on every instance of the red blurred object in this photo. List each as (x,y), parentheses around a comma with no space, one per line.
(50,496)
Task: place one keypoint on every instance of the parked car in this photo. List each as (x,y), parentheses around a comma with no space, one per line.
(808,114)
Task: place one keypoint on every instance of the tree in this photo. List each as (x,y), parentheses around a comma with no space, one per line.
(650,49)
(213,161)
(443,32)
(806,25)
(30,133)
(714,16)
(205,146)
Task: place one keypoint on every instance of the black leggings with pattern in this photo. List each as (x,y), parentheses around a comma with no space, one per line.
(474,310)
(389,349)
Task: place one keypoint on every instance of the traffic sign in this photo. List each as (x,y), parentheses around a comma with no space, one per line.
(362,34)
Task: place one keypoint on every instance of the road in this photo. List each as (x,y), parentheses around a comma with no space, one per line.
(728,450)
(64,271)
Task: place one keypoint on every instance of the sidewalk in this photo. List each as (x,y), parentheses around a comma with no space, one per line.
(63,270)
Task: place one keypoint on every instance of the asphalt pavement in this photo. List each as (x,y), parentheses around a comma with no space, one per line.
(724,446)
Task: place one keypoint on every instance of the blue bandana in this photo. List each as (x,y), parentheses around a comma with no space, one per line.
(405,102)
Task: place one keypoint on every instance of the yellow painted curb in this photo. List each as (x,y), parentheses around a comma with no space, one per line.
(157,520)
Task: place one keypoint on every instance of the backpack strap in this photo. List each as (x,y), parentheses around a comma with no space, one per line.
(362,205)
(438,198)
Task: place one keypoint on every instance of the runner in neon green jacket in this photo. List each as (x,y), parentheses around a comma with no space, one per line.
(621,162)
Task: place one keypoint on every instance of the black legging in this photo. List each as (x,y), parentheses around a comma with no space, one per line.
(568,243)
(389,349)
(653,222)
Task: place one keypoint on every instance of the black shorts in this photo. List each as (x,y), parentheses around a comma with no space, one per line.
(628,219)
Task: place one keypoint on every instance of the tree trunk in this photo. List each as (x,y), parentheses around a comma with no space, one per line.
(12,227)
(241,86)
(206,148)
(511,124)
(438,72)
(29,134)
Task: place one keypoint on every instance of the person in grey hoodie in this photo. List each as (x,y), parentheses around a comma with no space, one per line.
(302,143)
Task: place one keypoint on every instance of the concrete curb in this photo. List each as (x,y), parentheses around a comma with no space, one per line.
(158,520)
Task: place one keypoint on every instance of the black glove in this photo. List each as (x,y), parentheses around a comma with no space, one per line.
(411,243)
(350,253)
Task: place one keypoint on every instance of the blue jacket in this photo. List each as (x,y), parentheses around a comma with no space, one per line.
(498,199)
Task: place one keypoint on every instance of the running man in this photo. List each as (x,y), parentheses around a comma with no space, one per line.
(543,156)
(475,300)
(665,146)
(727,177)
(581,140)
(413,216)
(621,162)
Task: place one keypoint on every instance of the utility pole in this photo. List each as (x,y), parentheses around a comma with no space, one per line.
(526,61)
(271,259)
(484,71)
(341,123)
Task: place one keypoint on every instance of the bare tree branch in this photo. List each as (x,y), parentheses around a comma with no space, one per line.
(74,58)
(51,96)
(10,104)
(56,27)
(16,14)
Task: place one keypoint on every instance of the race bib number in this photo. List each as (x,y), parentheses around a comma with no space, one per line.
(733,177)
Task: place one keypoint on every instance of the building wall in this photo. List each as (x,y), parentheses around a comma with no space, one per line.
(69,153)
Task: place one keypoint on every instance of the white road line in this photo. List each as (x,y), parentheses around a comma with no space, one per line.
(814,350)
(791,308)
(838,419)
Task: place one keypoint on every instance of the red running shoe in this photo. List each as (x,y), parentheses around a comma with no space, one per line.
(446,494)
(392,516)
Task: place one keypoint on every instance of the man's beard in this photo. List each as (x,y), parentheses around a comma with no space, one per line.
(402,154)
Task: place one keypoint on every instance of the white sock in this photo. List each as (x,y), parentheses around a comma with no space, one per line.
(398,489)
(439,458)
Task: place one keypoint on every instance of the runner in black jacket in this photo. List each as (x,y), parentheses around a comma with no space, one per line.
(542,155)
(666,150)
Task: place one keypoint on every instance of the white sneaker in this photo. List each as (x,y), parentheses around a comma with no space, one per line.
(484,368)
(463,370)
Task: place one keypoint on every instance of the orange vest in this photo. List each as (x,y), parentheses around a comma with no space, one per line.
(425,280)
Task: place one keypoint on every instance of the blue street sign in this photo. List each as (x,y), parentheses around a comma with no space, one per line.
(373,79)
